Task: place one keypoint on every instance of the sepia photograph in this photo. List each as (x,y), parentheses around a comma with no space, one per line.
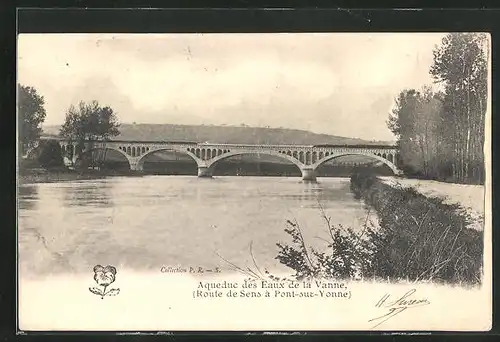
(254,181)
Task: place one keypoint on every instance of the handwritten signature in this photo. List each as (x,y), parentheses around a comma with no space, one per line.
(395,307)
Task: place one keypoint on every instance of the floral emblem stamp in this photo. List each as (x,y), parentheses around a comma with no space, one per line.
(104,276)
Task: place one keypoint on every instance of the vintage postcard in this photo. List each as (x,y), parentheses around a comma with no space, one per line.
(254,182)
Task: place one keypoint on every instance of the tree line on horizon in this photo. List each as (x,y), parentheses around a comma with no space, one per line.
(440,133)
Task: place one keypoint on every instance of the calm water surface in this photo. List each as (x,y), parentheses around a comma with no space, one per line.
(149,222)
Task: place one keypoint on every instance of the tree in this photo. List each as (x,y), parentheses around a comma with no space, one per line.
(460,65)
(90,125)
(417,123)
(441,135)
(31,114)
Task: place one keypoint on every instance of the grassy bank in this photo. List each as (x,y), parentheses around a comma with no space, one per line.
(417,238)
(421,237)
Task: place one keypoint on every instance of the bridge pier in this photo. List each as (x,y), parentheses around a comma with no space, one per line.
(204,172)
(136,166)
(308,175)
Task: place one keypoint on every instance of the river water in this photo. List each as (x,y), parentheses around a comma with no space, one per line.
(146,223)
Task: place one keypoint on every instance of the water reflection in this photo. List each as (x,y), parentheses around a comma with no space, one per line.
(316,195)
(27,197)
(149,222)
(93,194)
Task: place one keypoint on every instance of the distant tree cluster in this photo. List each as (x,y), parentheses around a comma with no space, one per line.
(441,133)
(89,126)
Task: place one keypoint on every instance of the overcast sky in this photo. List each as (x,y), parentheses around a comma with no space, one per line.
(341,84)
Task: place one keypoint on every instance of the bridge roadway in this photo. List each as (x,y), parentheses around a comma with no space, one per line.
(206,155)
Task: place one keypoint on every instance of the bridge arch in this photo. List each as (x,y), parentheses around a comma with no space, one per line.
(100,148)
(212,162)
(390,164)
(140,162)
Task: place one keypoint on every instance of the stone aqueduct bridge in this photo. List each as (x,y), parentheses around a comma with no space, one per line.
(306,158)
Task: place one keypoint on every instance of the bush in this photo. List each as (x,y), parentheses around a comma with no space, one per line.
(418,239)
(344,257)
(422,238)
(51,155)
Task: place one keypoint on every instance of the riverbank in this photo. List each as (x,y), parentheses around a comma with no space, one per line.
(34,176)
(423,237)
(415,238)
(470,198)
